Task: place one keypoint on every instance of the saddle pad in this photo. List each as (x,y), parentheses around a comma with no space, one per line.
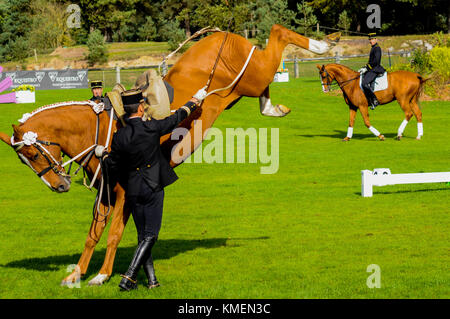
(381,82)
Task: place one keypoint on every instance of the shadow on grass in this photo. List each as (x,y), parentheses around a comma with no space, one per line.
(341,134)
(408,191)
(164,249)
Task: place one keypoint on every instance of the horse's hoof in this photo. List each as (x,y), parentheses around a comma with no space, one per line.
(399,137)
(381,137)
(98,280)
(419,137)
(285,110)
(346,139)
(71,280)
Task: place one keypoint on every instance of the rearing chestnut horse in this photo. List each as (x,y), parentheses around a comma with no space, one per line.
(71,128)
(404,86)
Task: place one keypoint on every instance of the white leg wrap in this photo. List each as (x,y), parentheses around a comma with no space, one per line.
(319,47)
(266,108)
(419,129)
(350,132)
(402,128)
(374,131)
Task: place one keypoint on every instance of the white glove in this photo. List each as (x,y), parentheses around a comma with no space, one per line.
(99,149)
(362,70)
(201,94)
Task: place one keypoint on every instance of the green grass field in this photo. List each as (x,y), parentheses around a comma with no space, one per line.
(230,232)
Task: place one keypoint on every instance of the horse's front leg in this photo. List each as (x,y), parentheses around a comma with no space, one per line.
(95,233)
(365,114)
(266,108)
(351,122)
(118,223)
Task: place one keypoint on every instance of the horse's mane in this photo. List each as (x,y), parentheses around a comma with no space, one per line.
(27,116)
(340,65)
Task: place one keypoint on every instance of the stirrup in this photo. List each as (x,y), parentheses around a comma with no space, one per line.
(373,105)
(129,279)
(153,284)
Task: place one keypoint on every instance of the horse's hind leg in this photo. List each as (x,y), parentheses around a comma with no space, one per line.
(266,108)
(365,114)
(118,223)
(418,114)
(94,235)
(401,129)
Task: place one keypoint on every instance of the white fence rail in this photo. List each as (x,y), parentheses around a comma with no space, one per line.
(369,179)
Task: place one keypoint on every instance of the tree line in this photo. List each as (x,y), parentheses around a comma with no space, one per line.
(43,25)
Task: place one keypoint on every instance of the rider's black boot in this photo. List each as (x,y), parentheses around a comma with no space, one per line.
(150,273)
(142,254)
(371,98)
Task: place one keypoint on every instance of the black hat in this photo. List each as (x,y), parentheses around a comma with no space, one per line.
(132,98)
(96,84)
(372,35)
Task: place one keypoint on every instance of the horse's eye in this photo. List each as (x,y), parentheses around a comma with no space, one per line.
(35,157)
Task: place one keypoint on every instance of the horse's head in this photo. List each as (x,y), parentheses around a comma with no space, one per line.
(42,156)
(325,78)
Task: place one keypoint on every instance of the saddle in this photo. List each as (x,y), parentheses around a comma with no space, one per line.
(380,83)
(159,95)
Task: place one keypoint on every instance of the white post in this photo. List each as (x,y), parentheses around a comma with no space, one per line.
(366,183)
(117,74)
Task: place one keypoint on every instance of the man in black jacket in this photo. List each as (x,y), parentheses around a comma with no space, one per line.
(371,71)
(136,155)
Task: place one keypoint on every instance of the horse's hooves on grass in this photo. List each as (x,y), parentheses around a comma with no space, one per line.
(398,138)
(346,139)
(71,280)
(98,280)
(381,137)
(418,138)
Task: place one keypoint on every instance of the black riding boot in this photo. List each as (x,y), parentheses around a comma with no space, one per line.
(150,273)
(371,98)
(142,254)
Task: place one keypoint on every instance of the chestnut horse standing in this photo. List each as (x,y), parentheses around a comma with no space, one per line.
(404,86)
(71,128)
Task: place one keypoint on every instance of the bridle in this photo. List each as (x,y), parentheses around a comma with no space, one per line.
(53,164)
(30,139)
(330,80)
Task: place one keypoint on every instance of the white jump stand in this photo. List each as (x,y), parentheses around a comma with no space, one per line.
(375,178)
(25,96)
(281,77)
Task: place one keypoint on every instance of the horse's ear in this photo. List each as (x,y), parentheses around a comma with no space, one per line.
(5,138)
(319,67)
(323,67)
(15,128)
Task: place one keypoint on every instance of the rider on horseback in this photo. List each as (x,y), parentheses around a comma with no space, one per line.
(371,71)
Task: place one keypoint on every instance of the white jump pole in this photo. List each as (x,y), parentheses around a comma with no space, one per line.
(368,180)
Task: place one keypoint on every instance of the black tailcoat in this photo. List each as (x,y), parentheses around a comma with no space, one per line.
(136,155)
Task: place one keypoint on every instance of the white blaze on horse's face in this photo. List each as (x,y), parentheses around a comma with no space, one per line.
(325,86)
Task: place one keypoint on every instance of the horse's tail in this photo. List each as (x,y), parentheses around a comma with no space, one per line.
(420,90)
